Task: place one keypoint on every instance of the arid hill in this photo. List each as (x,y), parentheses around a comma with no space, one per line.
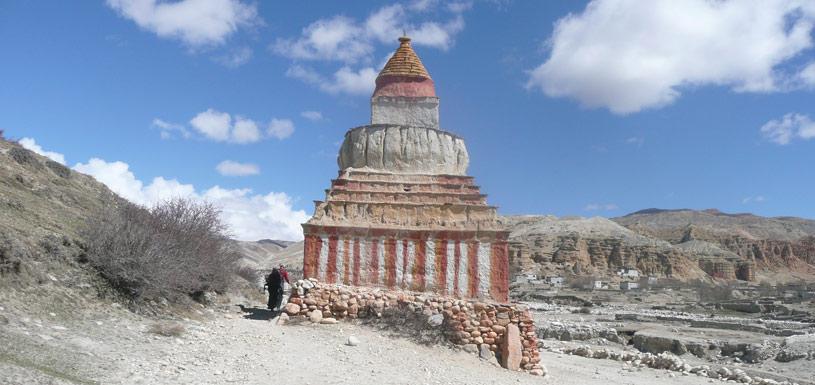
(681,244)
(575,246)
(781,248)
(43,206)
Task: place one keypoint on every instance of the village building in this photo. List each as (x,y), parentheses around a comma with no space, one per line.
(628,273)
(402,212)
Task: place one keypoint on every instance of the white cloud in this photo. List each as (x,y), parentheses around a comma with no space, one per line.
(195,22)
(628,55)
(314,116)
(280,128)
(791,126)
(600,207)
(245,131)
(168,129)
(31,144)
(213,124)
(249,216)
(337,38)
(221,127)
(344,81)
(807,75)
(236,57)
(755,199)
(232,168)
(351,42)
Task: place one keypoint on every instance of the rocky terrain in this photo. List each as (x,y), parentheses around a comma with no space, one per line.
(575,246)
(782,248)
(683,244)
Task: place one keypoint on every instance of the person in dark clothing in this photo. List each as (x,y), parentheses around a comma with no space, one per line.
(274,284)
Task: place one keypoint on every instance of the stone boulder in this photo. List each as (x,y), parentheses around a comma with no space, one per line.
(511,349)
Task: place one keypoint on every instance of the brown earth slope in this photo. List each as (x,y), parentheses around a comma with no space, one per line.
(43,206)
(780,248)
(575,246)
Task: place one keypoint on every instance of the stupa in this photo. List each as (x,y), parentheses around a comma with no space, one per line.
(402,212)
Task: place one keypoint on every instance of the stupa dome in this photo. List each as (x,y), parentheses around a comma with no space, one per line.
(404,75)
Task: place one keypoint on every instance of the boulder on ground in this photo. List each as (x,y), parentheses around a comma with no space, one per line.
(511,349)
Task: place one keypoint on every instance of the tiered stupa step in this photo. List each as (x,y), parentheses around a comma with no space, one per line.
(402,213)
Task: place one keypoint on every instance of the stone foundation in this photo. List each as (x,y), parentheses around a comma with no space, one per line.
(479,327)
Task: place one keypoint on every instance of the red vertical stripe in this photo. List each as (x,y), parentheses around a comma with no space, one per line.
(441,266)
(373,271)
(419,265)
(404,263)
(331,269)
(346,261)
(499,272)
(311,256)
(357,268)
(472,269)
(456,264)
(390,262)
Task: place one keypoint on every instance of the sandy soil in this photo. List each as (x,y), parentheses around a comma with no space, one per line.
(109,345)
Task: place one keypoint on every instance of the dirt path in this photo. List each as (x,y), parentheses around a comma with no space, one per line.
(246,348)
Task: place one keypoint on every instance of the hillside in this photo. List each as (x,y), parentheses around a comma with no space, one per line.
(575,246)
(266,254)
(780,248)
(43,206)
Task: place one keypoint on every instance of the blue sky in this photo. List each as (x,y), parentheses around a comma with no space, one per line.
(567,108)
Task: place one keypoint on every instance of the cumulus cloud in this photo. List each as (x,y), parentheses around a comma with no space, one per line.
(807,75)
(232,168)
(221,127)
(195,22)
(280,128)
(314,116)
(344,81)
(31,144)
(600,207)
(169,130)
(353,43)
(628,55)
(788,128)
(250,216)
(337,38)
(235,58)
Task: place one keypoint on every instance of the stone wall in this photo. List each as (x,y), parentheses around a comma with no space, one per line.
(506,331)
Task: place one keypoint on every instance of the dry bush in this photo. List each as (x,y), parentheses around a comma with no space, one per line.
(167,329)
(248,273)
(173,249)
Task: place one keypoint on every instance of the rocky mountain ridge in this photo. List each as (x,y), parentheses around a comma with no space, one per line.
(682,244)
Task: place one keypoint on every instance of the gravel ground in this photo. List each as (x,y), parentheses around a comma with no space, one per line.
(109,345)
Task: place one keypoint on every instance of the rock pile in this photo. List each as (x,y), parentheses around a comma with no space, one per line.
(633,361)
(506,330)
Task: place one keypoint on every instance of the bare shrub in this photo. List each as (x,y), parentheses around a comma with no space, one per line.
(167,329)
(248,273)
(175,248)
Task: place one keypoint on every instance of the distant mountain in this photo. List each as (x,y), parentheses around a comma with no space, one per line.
(778,247)
(266,253)
(683,244)
(576,246)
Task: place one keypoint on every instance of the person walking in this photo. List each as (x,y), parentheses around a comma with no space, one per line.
(274,284)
